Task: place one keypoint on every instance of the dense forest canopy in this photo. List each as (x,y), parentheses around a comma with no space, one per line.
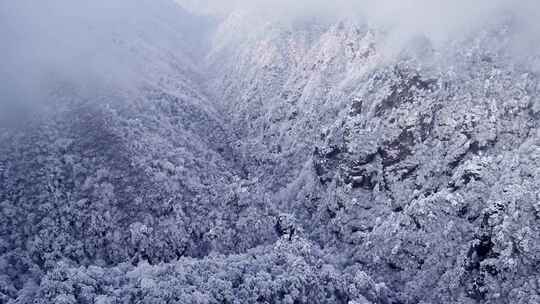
(269,151)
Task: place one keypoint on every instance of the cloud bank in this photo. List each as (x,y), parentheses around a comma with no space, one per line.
(88,45)
(84,42)
(436,19)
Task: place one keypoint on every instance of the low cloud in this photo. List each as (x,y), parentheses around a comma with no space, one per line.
(81,42)
(86,45)
(436,19)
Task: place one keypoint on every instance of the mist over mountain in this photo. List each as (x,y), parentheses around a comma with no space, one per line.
(179,151)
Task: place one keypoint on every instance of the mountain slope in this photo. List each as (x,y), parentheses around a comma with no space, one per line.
(277,163)
(413,167)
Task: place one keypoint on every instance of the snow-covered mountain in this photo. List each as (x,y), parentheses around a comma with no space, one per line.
(262,161)
(412,166)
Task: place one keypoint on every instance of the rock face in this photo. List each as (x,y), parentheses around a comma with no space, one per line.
(396,164)
(294,163)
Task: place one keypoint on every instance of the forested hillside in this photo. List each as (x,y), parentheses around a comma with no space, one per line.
(235,158)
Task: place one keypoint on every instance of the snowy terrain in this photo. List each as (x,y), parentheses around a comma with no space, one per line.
(204,156)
